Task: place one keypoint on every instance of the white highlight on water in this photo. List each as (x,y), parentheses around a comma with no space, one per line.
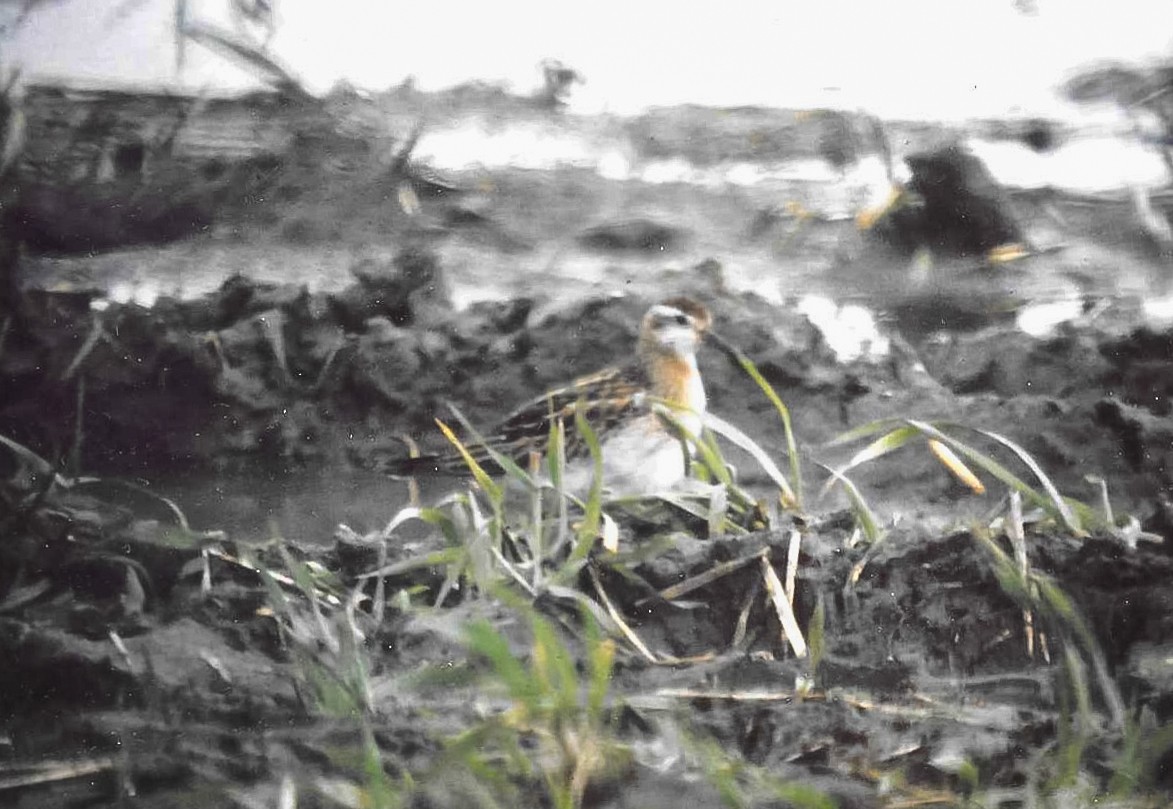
(850,330)
(1159,310)
(1042,319)
(1086,163)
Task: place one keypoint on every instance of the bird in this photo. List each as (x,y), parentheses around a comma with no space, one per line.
(642,452)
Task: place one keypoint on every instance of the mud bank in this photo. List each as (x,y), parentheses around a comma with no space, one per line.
(169,665)
(277,375)
(152,663)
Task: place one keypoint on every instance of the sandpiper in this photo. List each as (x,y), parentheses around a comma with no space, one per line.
(642,451)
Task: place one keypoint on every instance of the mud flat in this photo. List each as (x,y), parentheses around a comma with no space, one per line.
(917,638)
(156,662)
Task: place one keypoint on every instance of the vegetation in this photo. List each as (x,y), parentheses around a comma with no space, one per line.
(511,643)
(573,573)
(561,727)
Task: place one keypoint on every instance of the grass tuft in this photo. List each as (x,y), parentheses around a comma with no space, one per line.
(946,447)
(558,729)
(792,490)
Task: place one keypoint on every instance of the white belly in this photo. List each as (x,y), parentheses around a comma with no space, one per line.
(640,459)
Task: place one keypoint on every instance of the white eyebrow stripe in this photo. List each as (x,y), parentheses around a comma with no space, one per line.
(660,310)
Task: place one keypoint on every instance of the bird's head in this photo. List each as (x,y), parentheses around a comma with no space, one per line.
(675,326)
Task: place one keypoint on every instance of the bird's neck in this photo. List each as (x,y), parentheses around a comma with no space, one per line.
(675,378)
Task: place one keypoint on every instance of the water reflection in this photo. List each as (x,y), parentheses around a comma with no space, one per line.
(1090,162)
(816,250)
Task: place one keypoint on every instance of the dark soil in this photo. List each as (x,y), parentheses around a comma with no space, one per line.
(151,655)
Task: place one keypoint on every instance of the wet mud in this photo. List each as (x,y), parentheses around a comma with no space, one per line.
(149,661)
(925,662)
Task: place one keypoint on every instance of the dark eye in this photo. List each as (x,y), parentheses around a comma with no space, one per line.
(681,320)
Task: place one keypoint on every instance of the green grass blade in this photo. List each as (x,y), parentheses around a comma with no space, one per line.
(509,466)
(402,516)
(467,747)
(1010,578)
(592,519)
(556,454)
(594,502)
(1059,601)
(748,366)
(683,502)
(863,431)
(487,642)
(816,636)
(710,454)
(801,796)
(556,463)
(104,484)
(482,477)
(737,437)
(440,558)
(706,446)
(278,601)
(31,459)
(1070,519)
(1051,502)
(300,574)
(859,506)
(711,460)
(448,528)
(380,791)
(600,653)
(554,665)
(889,442)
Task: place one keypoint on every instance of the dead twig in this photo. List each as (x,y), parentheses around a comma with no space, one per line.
(78,427)
(49,772)
(743,617)
(1016,533)
(53,772)
(96,333)
(707,577)
(792,552)
(790,629)
(398,167)
(262,64)
(615,616)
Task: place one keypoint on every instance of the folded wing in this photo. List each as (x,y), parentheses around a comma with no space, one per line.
(606,399)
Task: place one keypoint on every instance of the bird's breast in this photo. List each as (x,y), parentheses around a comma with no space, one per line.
(678,380)
(642,458)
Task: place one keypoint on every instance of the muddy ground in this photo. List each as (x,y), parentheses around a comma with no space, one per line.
(147,661)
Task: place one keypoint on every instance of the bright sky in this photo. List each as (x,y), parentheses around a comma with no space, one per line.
(917,58)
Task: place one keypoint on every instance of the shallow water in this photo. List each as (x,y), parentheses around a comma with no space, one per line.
(1087,162)
(305,506)
(714,203)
